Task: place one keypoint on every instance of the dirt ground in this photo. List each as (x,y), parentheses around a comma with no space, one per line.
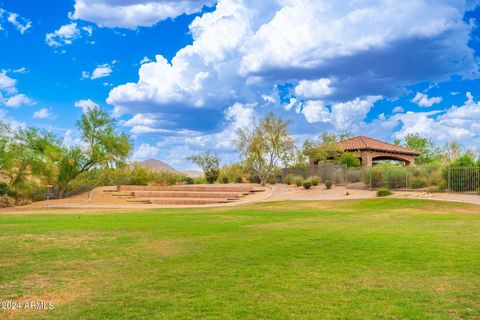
(283,192)
(102,199)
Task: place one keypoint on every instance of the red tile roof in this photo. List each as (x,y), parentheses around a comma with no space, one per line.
(362,143)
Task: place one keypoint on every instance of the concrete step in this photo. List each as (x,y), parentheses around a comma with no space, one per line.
(187,201)
(183,194)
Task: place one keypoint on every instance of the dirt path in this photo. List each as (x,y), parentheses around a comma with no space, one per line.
(102,199)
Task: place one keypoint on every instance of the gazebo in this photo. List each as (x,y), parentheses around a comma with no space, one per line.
(370,150)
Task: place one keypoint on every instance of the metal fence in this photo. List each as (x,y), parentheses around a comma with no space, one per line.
(337,174)
(428,178)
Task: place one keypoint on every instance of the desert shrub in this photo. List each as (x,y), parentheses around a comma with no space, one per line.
(272,180)
(238,179)
(307,184)
(7,201)
(315,180)
(29,190)
(224,179)
(418,182)
(394,177)
(199,180)
(328,184)
(384,192)
(6,191)
(188,180)
(354,175)
(373,177)
(232,172)
(442,186)
(298,180)
(254,179)
(167,178)
(289,179)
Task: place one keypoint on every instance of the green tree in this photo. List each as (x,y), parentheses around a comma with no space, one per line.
(326,148)
(210,164)
(265,145)
(102,147)
(430,152)
(350,159)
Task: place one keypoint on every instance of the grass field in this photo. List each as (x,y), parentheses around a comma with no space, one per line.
(367,259)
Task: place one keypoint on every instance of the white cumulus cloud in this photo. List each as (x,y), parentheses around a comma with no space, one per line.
(66,34)
(43,114)
(133,14)
(86,105)
(423,100)
(101,71)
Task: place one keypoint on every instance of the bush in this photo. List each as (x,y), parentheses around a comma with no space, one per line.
(254,179)
(224,180)
(354,175)
(315,180)
(418,182)
(442,186)
(7,201)
(6,191)
(289,179)
(384,193)
(272,180)
(395,177)
(307,184)
(298,181)
(373,177)
(199,180)
(188,180)
(233,172)
(328,184)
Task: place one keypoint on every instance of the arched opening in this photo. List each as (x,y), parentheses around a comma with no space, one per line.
(392,158)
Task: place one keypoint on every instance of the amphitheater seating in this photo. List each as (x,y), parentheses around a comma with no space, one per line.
(190,195)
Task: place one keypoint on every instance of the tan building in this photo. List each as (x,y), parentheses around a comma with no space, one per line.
(371,150)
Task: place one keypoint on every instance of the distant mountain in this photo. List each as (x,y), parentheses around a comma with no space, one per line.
(157,165)
(192,173)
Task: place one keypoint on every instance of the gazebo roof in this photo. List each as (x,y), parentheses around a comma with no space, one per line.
(362,143)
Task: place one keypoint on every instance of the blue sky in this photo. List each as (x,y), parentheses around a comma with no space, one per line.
(182,76)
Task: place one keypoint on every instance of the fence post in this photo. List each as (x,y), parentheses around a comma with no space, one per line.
(449,178)
(370,184)
(346,176)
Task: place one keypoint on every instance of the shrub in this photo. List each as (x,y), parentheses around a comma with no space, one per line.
(307,184)
(232,172)
(224,180)
(373,177)
(315,180)
(254,179)
(442,186)
(394,177)
(199,180)
(272,180)
(328,184)
(289,179)
(298,181)
(384,193)
(7,201)
(354,175)
(350,159)
(418,182)
(238,180)
(188,180)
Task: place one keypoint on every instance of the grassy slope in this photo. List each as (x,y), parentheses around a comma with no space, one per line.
(384,259)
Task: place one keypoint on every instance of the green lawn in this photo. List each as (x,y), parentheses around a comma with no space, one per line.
(368,259)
